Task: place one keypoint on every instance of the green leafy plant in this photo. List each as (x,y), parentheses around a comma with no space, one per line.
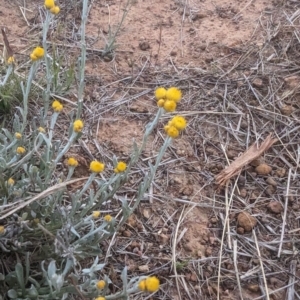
(51,230)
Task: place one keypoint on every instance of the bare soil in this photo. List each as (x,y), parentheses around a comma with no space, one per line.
(237,63)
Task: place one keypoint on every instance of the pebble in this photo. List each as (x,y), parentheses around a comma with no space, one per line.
(275,207)
(263,169)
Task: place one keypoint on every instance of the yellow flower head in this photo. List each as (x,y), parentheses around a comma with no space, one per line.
(96,166)
(10,181)
(33,57)
(150,284)
(161,102)
(96,214)
(171,131)
(100,284)
(18,135)
(55,10)
(170,105)
(107,218)
(10,60)
(21,150)
(49,4)
(160,93)
(121,167)
(37,53)
(179,122)
(72,162)
(41,129)
(100,298)
(142,285)
(57,106)
(77,126)
(2,230)
(173,94)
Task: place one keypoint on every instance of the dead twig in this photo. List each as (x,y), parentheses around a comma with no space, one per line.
(251,154)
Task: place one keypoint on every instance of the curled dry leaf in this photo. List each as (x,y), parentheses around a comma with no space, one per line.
(247,157)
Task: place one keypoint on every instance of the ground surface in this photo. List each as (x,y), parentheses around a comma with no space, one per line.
(237,63)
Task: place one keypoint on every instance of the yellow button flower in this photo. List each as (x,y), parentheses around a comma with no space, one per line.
(100,298)
(150,284)
(78,126)
(21,150)
(173,94)
(160,93)
(57,106)
(100,284)
(55,10)
(171,131)
(170,105)
(37,53)
(160,103)
(18,135)
(10,60)
(49,4)
(72,162)
(96,214)
(121,167)
(2,230)
(41,129)
(96,166)
(179,122)
(108,218)
(10,181)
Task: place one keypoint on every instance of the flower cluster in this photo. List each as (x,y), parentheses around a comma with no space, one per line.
(174,126)
(57,106)
(78,126)
(121,167)
(168,99)
(150,284)
(21,150)
(50,5)
(37,53)
(72,162)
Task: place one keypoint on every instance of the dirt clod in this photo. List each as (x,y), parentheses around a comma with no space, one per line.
(144,46)
(292,81)
(287,110)
(275,207)
(257,82)
(246,221)
(263,169)
(253,288)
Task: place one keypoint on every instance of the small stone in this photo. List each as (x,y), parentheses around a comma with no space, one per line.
(199,16)
(275,207)
(208,251)
(280,172)
(257,82)
(126,233)
(144,46)
(270,190)
(240,230)
(246,221)
(253,288)
(231,154)
(144,268)
(292,81)
(287,110)
(255,162)
(214,220)
(263,169)
(271,181)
